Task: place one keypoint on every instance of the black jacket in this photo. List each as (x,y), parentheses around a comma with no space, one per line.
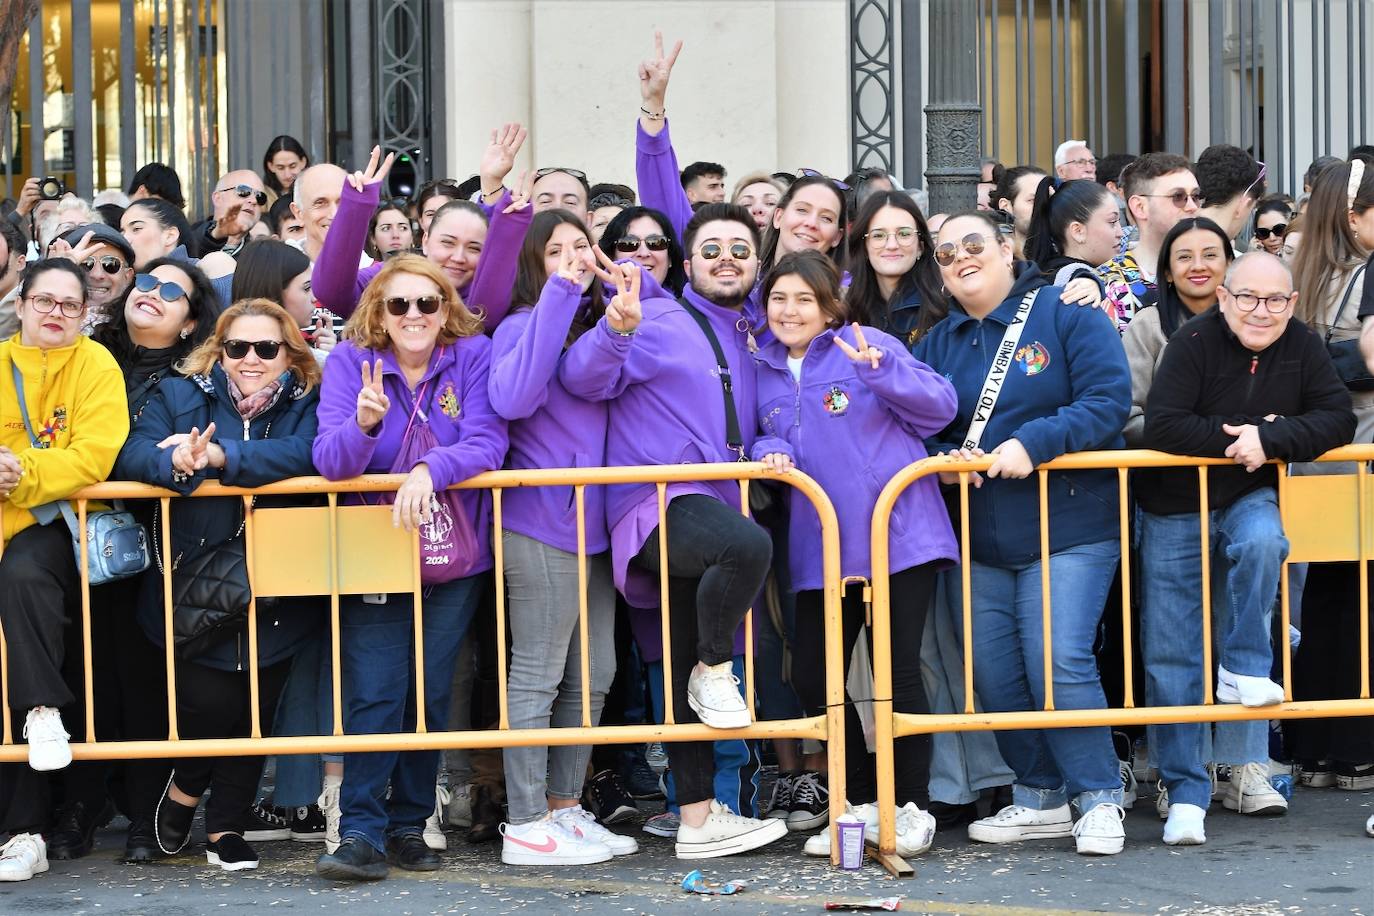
(1207,378)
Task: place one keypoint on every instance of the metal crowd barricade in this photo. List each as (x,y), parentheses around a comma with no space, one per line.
(1326,518)
(334,549)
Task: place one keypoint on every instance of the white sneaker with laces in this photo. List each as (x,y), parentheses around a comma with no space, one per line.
(1246,690)
(1100,831)
(725,833)
(548,842)
(329,807)
(581,822)
(1251,792)
(1015,823)
(24,856)
(434,825)
(1185,826)
(460,805)
(48,747)
(713,693)
(915,830)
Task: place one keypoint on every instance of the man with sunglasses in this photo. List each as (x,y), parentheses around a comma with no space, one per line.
(107,259)
(1160,190)
(237,201)
(1232,182)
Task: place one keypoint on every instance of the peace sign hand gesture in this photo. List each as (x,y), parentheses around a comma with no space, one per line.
(61,248)
(372,400)
(623,313)
(372,174)
(192,455)
(572,264)
(865,353)
(654,73)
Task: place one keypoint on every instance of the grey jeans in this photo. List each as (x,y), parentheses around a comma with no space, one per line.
(545,680)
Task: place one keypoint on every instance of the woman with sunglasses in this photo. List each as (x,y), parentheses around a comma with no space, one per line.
(476,250)
(242,412)
(646,237)
(412,353)
(73,402)
(1065,389)
(848,405)
(895,285)
(1272,218)
(389,232)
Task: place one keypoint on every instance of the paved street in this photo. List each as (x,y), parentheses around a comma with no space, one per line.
(1316,860)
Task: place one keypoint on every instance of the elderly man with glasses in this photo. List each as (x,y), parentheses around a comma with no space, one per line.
(1073,160)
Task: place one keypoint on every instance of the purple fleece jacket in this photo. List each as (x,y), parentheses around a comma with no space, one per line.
(853,427)
(666,407)
(472,437)
(338,282)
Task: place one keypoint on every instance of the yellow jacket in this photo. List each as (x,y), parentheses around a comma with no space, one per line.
(77,406)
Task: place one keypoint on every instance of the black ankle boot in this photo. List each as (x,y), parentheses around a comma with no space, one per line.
(141,844)
(73,835)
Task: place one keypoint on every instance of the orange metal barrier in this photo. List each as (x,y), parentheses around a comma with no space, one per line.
(1326,518)
(332,550)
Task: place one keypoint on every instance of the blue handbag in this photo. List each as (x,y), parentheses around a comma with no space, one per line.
(116,544)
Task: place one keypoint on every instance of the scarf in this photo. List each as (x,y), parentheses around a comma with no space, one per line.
(257,403)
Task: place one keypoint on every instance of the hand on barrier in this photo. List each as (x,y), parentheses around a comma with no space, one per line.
(961,454)
(522,192)
(1012,461)
(654,73)
(623,313)
(1247,449)
(415,501)
(777,462)
(1081,291)
(499,157)
(372,174)
(865,353)
(372,400)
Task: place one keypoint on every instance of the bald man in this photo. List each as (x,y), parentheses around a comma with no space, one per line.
(237,202)
(315,200)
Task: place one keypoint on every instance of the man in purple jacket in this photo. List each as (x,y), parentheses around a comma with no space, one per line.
(667,389)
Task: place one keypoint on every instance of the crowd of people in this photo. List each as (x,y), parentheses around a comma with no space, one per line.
(807,322)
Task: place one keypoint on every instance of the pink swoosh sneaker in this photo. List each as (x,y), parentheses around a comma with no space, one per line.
(549,842)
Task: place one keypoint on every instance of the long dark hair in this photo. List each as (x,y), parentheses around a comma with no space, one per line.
(530,275)
(1172,311)
(169,217)
(769,249)
(265,268)
(865,298)
(1055,210)
(280,144)
(202,303)
(620,224)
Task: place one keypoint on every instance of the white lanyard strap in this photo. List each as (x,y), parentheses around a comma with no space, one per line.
(997,372)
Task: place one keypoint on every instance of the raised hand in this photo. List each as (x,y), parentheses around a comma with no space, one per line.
(865,353)
(61,248)
(372,400)
(654,73)
(571,263)
(499,157)
(230,225)
(373,174)
(623,313)
(522,192)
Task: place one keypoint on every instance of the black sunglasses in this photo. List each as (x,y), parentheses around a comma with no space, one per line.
(108,263)
(712,250)
(400,305)
(169,290)
(630,244)
(580,176)
(238,349)
(1277,231)
(244,191)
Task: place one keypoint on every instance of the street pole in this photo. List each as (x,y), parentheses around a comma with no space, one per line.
(953,116)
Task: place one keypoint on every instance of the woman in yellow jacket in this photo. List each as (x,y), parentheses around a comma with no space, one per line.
(74,396)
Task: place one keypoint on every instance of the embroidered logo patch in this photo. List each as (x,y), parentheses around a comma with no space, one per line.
(1033,358)
(835,401)
(57,423)
(448,402)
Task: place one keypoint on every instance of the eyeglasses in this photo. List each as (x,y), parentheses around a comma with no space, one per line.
(812,173)
(630,244)
(1180,197)
(1277,231)
(238,349)
(738,250)
(973,243)
(44,305)
(108,263)
(877,238)
(580,176)
(1082,163)
(1248,302)
(245,192)
(400,305)
(1264,170)
(167,289)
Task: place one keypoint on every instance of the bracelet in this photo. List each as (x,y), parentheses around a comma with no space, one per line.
(653,116)
(498,192)
(629,333)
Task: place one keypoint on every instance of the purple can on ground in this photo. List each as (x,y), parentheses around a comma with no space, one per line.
(851,844)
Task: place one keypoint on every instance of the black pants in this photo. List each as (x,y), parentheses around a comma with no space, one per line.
(215,704)
(717,561)
(911,591)
(40,595)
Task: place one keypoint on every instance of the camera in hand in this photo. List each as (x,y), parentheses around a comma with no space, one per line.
(51,188)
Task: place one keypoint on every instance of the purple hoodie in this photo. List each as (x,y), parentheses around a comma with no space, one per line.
(472,437)
(853,427)
(338,282)
(666,407)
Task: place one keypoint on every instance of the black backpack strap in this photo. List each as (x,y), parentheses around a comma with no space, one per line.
(733,440)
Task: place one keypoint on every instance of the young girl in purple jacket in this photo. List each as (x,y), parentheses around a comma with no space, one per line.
(850,407)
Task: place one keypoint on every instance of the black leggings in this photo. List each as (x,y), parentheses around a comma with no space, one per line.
(911,593)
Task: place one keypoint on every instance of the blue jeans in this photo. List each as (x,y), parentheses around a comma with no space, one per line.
(377,653)
(1054,765)
(302,710)
(1248,549)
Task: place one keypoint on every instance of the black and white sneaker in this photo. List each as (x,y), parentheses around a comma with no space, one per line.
(810,802)
(781,804)
(231,853)
(307,824)
(265,823)
(1354,775)
(609,800)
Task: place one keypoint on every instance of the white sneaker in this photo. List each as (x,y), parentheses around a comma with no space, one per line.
(460,805)
(1246,690)
(48,747)
(24,856)
(1099,832)
(725,833)
(915,830)
(548,842)
(713,693)
(1369,825)
(581,822)
(434,825)
(1184,827)
(1015,823)
(1130,786)
(1250,792)
(329,807)
(866,814)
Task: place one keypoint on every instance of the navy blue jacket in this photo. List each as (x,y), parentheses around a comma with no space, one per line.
(1069,390)
(275,446)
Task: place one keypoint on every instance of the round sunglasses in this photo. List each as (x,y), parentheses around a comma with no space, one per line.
(1277,231)
(238,349)
(946,252)
(738,250)
(169,290)
(630,244)
(400,305)
(108,263)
